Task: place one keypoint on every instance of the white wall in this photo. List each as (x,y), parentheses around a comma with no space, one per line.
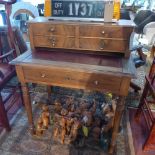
(34,2)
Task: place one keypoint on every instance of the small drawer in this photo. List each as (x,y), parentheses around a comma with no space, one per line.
(103,44)
(73,79)
(105,31)
(55,29)
(54,42)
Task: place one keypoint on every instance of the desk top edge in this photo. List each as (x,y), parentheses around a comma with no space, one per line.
(127,69)
(121,22)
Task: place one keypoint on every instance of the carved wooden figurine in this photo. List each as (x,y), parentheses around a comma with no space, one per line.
(74,130)
(63,129)
(69,125)
(109,115)
(39,127)
(87,118)
(63,133)
(45,116)
(96,133)
(93,108)
(57,107)
(64,112)
(56,129)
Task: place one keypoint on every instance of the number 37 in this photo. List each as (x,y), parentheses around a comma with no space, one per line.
(80,8)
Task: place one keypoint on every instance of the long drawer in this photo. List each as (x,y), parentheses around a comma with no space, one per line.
(54,42)
(94,44)
(100,44)
(74,79)
(104,31)
(55,29)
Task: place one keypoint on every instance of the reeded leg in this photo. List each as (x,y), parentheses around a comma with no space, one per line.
(28,106)
(117,119)
(3,115)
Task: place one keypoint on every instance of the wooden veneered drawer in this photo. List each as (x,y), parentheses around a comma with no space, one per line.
(103,44)
(104,31)
(54,42)
(55,29)
(74,79)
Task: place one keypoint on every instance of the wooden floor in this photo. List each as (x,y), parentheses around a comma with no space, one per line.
(13,105)
(139,133)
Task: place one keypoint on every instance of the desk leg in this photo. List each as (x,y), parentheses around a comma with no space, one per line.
(28,106)
(118,115)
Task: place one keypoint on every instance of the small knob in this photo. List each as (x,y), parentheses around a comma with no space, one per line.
(102,44)
(53,44)
(67,78)
(52,29)
(103,32)
(43,75)
(96,82)
(52,39)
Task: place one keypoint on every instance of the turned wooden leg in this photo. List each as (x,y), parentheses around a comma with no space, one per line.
(3,116)
(28,106)
(117,119)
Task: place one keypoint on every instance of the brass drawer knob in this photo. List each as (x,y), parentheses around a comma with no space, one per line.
(103,32)
(53,44)
(53,39)
(96,82)
(102,45)
(52,29)
(43,75)
(67,78)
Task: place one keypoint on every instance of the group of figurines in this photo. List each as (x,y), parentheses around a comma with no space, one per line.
(77,119)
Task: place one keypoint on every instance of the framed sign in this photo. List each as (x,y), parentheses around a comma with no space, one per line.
(78,8)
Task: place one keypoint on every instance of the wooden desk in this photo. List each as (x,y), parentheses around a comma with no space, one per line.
(75,70)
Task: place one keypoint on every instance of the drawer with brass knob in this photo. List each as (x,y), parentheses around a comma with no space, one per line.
(74,78)
(104,31)
(56,29)
(54,42)
(100,44)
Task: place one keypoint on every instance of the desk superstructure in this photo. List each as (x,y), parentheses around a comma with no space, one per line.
(53,66)
(81,35)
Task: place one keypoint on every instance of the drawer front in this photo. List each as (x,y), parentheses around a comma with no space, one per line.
(106,32)
(103,44)
(55,29)
(73,79)
(54,42)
